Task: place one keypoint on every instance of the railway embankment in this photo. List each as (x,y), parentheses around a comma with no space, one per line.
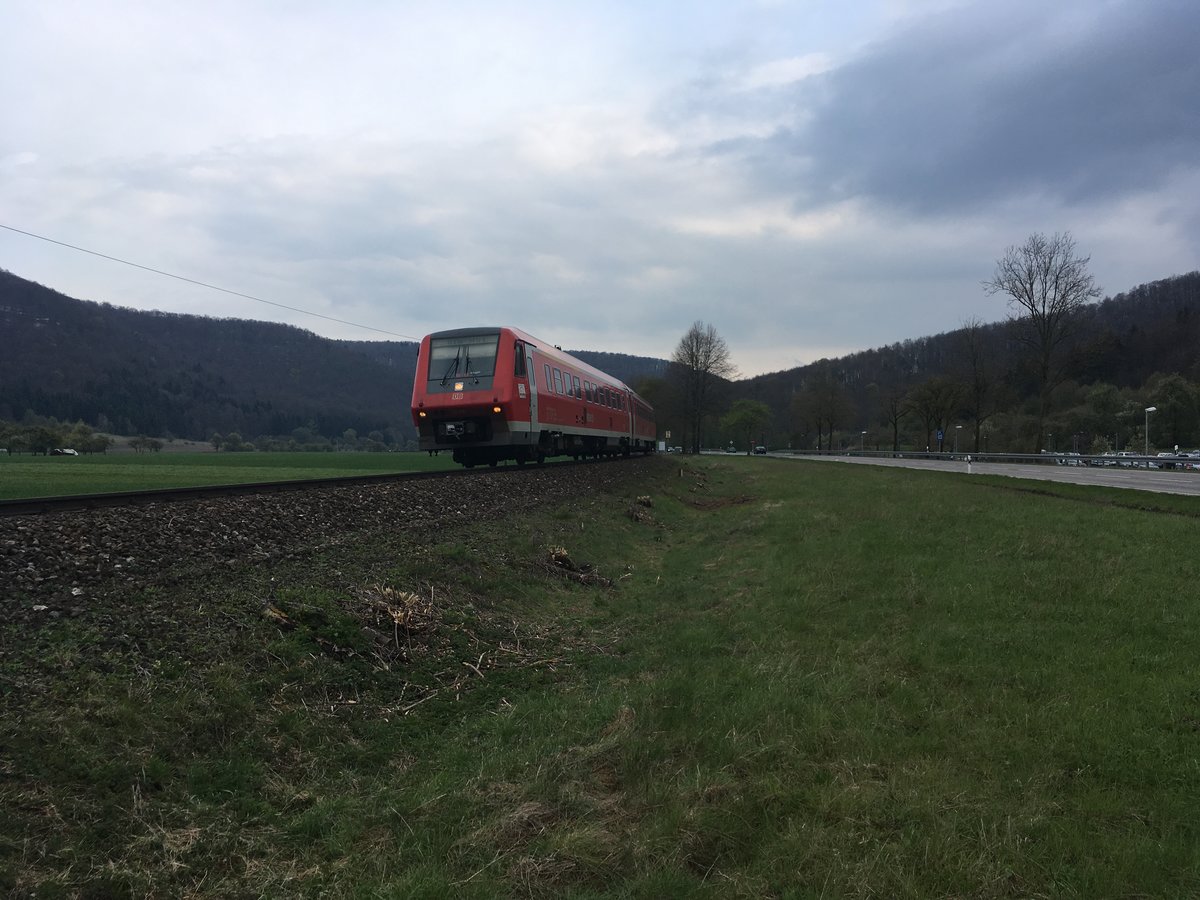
(56,565)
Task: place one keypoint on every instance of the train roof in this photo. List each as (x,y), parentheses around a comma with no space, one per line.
(545,347)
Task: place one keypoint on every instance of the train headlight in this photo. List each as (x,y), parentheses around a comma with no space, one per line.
(496,409)
(421,414)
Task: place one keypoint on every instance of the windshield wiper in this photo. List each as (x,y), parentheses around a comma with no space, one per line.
(468,368)
(453,368)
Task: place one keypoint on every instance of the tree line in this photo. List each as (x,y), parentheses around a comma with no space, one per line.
(1061,373)
(44,436)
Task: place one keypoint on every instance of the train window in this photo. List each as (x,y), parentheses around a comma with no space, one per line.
(558,383)
(519,359)
(549,381)
(578,390)
(464,356)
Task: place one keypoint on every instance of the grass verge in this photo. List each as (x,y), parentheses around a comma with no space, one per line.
(771,681)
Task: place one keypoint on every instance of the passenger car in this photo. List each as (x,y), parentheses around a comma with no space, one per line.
(496,393)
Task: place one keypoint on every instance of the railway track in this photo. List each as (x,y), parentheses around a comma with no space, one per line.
(45,505)
(37,506)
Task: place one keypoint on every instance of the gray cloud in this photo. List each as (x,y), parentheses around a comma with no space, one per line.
(1076,101)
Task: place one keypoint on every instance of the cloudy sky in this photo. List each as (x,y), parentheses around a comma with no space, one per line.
(811,177)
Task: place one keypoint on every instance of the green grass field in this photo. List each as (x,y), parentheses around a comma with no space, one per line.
(52,476)
(805,680)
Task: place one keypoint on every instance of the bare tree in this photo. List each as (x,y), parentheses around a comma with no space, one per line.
(980,384)
(934,402)
(1047,284)
(801,419)
(893,407)
(831,405)
(701,362)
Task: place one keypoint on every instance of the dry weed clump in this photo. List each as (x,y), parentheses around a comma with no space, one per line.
(406,612)
(559,561)
(638,510)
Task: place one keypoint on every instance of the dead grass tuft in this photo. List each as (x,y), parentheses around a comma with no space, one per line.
(404,611)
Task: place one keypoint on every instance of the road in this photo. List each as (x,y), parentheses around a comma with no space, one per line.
(1159,481)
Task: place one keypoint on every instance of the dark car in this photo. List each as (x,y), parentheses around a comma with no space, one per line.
(760,450)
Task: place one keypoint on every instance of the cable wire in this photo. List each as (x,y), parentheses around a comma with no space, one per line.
(203,284)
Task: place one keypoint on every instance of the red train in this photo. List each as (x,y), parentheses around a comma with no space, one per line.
(491,394)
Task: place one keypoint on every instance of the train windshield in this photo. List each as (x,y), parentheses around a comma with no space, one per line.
(464,357)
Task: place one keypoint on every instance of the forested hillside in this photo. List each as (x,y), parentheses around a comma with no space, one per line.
(1138,348)
(165,375)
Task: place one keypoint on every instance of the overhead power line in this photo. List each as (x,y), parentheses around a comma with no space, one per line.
(204,284)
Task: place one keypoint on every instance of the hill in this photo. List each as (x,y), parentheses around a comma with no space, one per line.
(1128,342)
(183,376)
(163,374)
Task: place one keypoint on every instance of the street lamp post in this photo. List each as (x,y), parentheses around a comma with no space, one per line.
(957,429)
(1149,409)
(862,442)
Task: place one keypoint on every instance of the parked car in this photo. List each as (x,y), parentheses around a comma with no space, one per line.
(731,449)
(760,450)
(1167,460)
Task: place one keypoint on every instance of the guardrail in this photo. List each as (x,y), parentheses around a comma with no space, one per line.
(1180,463)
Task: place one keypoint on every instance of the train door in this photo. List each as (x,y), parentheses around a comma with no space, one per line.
(531,371)
(627,398)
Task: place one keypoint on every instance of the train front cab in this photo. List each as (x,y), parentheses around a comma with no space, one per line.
(472,396)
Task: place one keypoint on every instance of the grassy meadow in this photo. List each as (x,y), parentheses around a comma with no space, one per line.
(54,476)
(781,679)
